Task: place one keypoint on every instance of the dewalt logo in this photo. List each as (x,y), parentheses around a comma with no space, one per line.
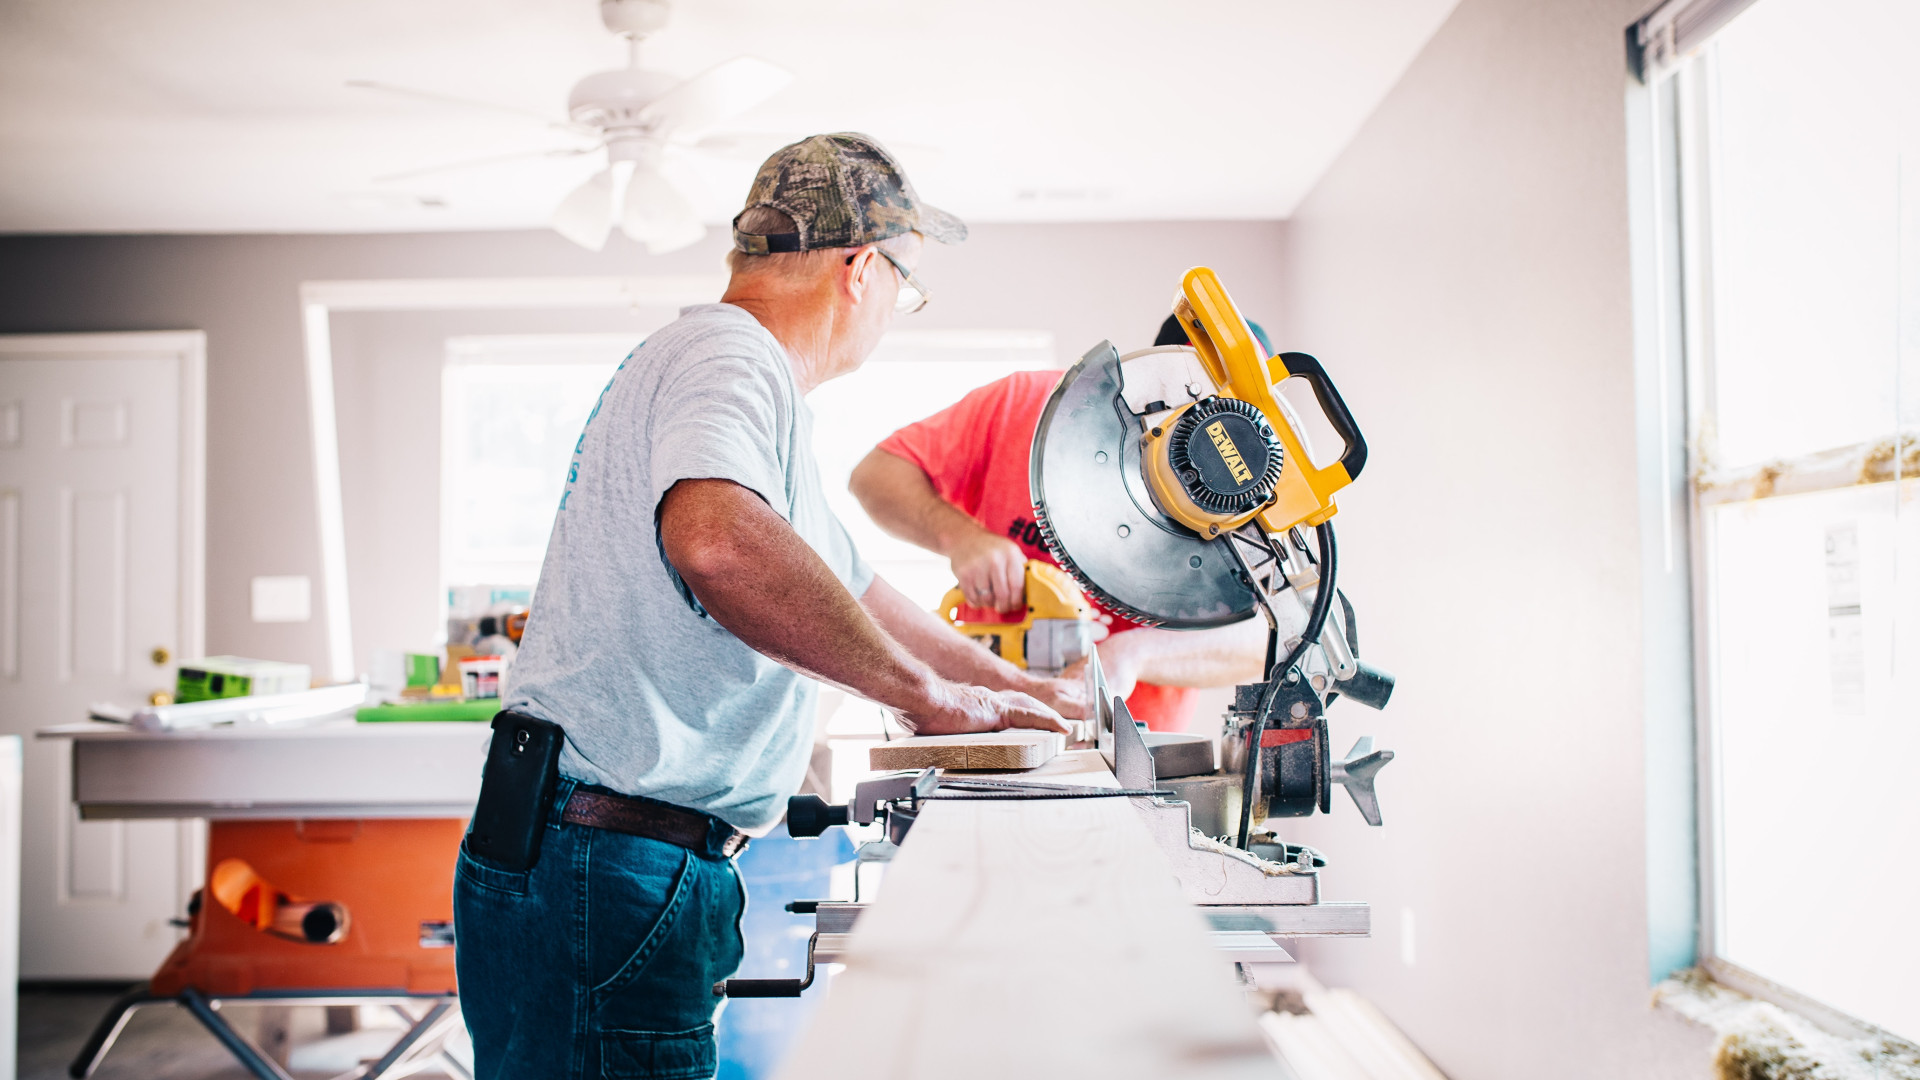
(1229,453)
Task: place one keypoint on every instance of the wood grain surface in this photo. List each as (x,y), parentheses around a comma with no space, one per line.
(1001,750)
(1032,939)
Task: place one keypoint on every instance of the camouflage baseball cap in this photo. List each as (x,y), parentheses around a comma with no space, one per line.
(841,190)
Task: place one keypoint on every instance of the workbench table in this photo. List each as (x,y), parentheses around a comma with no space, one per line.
(332,770)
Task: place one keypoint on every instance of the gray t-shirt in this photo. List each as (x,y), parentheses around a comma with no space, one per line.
(656,698)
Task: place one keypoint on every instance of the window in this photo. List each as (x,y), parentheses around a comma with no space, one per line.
(513,408)
(1797,136)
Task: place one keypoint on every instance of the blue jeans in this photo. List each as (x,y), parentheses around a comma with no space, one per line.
(599,963)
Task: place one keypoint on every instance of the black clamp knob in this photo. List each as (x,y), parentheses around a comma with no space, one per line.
(811,815)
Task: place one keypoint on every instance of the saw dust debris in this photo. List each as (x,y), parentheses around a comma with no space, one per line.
(1761,1041)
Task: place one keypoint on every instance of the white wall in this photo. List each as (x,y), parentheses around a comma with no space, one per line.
(1081,282)
(1463,272)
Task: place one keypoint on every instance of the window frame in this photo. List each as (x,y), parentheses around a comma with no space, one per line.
(1681,99)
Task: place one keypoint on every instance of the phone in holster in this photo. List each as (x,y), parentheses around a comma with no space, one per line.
(516,791)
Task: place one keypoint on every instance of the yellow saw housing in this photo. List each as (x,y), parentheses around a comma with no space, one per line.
(1225,440)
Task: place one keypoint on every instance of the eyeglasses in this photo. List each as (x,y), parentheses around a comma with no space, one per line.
(913,295)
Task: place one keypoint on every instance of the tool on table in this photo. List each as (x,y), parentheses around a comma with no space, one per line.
(237,676)
(1176,485)
(1056,633)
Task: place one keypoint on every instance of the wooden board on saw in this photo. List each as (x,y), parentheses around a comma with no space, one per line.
(1019,938)
(982,750)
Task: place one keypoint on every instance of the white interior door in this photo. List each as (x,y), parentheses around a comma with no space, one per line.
(100,472)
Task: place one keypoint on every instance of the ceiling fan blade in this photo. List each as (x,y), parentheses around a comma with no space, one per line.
(715,94)
(657,215)
(743,145)
(759,145)
(460,102)
(474,163)
(586,215)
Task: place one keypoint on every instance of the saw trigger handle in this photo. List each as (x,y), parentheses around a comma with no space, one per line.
(1353,457)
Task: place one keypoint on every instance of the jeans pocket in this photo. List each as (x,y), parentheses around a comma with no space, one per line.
(635,891)
(658,1055)
(485,876)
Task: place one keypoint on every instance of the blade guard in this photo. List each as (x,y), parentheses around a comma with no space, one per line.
(1233,357)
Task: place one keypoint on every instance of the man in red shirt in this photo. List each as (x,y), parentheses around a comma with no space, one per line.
(956,483)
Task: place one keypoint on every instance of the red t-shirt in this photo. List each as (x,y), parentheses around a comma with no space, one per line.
(975,452)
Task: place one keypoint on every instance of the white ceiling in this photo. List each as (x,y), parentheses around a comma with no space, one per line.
(233,116)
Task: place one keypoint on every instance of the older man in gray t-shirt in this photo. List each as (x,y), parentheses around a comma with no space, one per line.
(696,589)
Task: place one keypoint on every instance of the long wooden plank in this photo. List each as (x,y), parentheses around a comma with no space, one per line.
(1032,939)
(981,750)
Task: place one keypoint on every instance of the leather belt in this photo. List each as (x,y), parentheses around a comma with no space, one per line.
(654,820)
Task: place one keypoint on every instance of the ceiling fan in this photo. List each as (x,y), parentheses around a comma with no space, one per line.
(634,115)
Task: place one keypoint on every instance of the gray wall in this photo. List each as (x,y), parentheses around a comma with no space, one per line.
(1463,269)
(1081,282)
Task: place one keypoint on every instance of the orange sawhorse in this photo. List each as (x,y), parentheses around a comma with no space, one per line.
(316,912)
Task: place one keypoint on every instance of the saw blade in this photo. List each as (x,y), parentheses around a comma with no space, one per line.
(1091,501)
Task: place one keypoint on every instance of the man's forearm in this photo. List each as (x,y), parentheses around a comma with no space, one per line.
(760,580)
(900,499)
(991,569)
(1222,656)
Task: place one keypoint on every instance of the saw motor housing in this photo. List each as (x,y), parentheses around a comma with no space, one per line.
(1230,449)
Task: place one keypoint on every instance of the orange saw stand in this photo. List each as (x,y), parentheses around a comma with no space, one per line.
(329,875)
(392,878)
(314,912)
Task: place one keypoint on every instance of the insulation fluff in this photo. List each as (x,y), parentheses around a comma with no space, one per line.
(1761,1041)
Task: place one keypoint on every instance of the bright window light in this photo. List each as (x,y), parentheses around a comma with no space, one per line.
(1800,163)
(513,408)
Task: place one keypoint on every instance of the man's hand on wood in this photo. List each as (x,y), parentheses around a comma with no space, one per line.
(957,709)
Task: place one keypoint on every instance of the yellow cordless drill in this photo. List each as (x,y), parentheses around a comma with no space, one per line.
(1056,633)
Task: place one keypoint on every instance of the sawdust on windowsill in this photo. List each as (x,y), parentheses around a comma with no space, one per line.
(1761,1041)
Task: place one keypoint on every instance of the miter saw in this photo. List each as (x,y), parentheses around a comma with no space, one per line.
(1175,484)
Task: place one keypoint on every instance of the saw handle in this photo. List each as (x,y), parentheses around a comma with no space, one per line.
(1354,457)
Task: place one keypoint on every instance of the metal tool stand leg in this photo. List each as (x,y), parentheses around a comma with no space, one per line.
(421,1043)
(108,1030)
(238,1045)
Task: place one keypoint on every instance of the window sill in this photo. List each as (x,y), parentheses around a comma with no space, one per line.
(1768,1032)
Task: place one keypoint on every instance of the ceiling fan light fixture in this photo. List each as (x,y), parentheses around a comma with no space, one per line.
(634,18)
(585,216)
(657,215)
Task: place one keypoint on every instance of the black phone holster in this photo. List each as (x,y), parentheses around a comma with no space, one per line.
(516,791)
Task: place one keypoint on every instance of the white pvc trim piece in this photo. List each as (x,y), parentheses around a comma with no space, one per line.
(328,505)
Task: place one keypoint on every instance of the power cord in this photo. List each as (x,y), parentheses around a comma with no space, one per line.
(1316,622)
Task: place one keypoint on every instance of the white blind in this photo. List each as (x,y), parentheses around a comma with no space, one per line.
(1670,32)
